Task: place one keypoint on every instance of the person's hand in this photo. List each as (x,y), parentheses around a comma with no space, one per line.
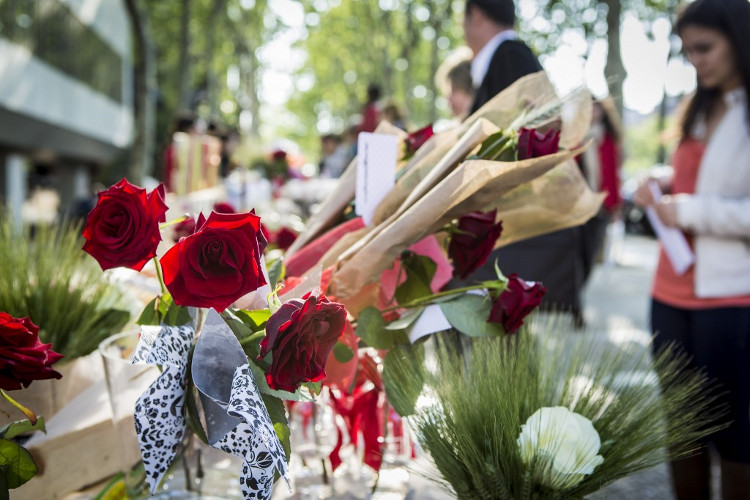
(667,211)
(642,196)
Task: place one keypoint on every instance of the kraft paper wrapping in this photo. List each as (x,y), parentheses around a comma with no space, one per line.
(559,199)
(531,101)
(332,208)
(474,185)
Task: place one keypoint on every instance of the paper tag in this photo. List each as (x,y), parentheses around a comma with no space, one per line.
(430,321)
(376,170)
(675,244)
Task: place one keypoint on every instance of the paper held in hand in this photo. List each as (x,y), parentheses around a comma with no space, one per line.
(675,244)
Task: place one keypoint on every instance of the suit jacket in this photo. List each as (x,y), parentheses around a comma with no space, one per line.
(512,60)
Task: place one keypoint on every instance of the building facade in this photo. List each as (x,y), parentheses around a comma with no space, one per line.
(66,95)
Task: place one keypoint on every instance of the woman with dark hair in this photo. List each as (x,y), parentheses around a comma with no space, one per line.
(706,309)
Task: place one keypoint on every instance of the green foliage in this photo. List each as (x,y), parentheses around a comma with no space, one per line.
(468,313)
(398,48)
(642,145)
(342,352)
(47,277)
(373,331)
(419,272)
(163,310)
(406,359)
(14,429)
(476,401)
(16,464)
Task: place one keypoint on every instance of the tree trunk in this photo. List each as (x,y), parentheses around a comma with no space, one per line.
(614,70)
(145,90)
(211,81)
(183,95)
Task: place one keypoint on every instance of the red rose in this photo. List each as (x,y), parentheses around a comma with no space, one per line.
(224,208)
(532,143)
(184,228)
(284,237)
(415,140)
(123,228)
(301,335)
(472,244)
(516,302)
(23,357)
(217,264)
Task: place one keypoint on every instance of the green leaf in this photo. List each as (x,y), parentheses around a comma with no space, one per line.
(419,272)
(256,319)
(277,412)
(403,378)
(14,429)
(406,320)
(342,352)
(192,414)
(468,314)
(492,145)
(260,378)
(276,272)
(176,315)
(371,329)
(150,315)
(313,387)
(17,463)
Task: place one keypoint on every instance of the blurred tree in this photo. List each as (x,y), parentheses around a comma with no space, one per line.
(198,45)
(593,19)
(144,82)
(397,44)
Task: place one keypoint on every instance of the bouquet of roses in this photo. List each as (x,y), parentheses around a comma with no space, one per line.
(510,162)
(224,370)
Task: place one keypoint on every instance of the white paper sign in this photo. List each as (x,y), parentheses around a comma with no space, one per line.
(430,321)
(376,170)
(675,244)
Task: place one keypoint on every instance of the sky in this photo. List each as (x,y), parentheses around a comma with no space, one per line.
(645,59)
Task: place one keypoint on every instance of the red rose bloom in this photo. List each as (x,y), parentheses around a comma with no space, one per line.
(532,144)
(516,302)
(284,237)
(301,335)
(415,140)
(123,228)
(217,264)
(472,244)
(224,208)
(184,228)
(23,357)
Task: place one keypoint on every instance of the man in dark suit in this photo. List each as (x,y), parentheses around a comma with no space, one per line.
(499,57)
(555,259)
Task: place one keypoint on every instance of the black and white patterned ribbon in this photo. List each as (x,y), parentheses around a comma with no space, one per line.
(160,422)
(239,422)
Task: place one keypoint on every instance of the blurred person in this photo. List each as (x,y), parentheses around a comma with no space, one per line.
(461,94)
(334,157)
(393,114)
(453,78)
(371,110)
(706,310)
(500,58)
(554,259)
(600,164)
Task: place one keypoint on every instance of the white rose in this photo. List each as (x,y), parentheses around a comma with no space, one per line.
(565,444)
